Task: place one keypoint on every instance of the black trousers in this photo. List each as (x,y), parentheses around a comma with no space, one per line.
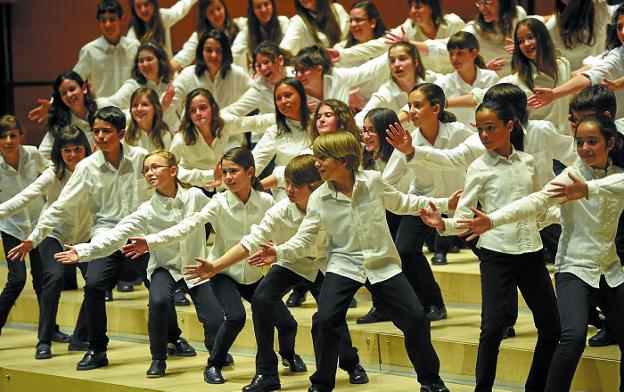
(102,274)
(162,287)
(53,283)
(409,242)
(404,309)
(499,273)
(268,298)
(574,298)
(16,279)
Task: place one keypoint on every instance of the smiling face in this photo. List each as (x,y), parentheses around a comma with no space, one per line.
(110,27)
(72,154)
(148,65)
(72,94)
(489,9)
(235,177)
(494,133)
(213,55)
(591,145)
(309,77)
(402,65)
(362,28)
(263,10)
(10,142)
(215,13)
(144,9)
(370,136)
(288,101)
(326,120)
(527,42)
(200,111)
(419,13)
(142,111)
(271,71)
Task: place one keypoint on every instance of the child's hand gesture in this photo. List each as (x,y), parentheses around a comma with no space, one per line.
(136,248)
(454,199)
(265,256)
(399,138)
(476,226)
(432,217)
(575,190)
(19,252)
(70,256)
(200,272)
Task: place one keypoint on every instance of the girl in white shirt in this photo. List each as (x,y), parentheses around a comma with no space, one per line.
(147,127)
(70,147)
(587,268)
(150,23)
(319,22)
(212,14)
(510,256)
(172,201)
(406,71)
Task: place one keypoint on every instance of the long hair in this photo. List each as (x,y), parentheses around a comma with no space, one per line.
(437,15)
(546,54)
(159,127)
(372,13)
(164,69)
(435,95)
(188,130)
(226,53)
(323,19)
(412,51)
(344,118)
(609,131)
(613,41)
(230,29)
(243,157)
(381,118)
(466,40)
(576,23)
(508,92)
(152,31)
(59,115)
(70,136)
(506,14)
(171,162)
(257,32)
(280,118)
(505,112)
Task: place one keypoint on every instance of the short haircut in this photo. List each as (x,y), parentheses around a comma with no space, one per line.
(596,99)
(109,7)
(112,115)
(71,135)
(302,171)
(339,145)
(9,122)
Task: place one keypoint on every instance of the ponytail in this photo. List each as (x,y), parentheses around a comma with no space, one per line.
(435,96)
(505,112)
(243,157)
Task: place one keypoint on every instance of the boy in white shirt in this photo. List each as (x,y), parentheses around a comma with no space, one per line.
(351,206)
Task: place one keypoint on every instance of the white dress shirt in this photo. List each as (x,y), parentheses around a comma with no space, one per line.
(170,16)
(298,36)
(111,193)
(156,214)
(144,141)
(31,164)
(279,224)
(595,61)
(541,140)
(240,46)
(121,98)
(495,181)
(359,244)
(588,226)
(49,186)
(107,66)
(45,147)
(231,220)
(283,147)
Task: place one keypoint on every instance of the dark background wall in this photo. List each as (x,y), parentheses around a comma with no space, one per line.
(42,38)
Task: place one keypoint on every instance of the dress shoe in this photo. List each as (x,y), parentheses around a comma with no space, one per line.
(60,337)
(77,345)
(453,249)
(157,368)
(314,388)
(108,296)
(353,303)
(439,259)
(358,375)
(434,387)
(43,351)
(295,364)
(262,383)
(601,339)
(92,360)
(295,300)
(179,298)
(509,332)
(212,375)
(436,313)
(181,348)
(374,315)
(125,287)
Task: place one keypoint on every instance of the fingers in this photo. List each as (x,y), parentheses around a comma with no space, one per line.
(573,177)
(432,206)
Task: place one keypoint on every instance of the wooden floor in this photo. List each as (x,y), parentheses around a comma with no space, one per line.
(380,347)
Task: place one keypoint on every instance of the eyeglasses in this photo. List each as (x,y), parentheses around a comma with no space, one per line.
(368,131)
(300,70)
(484,3)
(358,20)
(152,168)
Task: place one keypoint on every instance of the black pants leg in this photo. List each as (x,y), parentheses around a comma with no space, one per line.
(162,286)
(611,301)
(410,238)
(208,311)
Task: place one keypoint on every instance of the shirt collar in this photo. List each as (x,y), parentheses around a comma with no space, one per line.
(443,134)
(22,156)
(328,190)
(171,202)
(234,202)
(589,172)
(101,162)
(495,159)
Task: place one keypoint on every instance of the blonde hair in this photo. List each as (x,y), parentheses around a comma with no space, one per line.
(9,122)
(302,171)
(172,161)
(339,145)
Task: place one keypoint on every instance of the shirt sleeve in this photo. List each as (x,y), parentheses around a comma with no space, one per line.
(249,101)
(177,11)
(294,35)
(186,55)
(368,73)
(459,157)
(360,53)
(468,200)
(83,66)
(396,168)
(264,151)
(298,246)
(562,146)
(36,190)
(260,233)
(408,204)
(121,98)
(608,187)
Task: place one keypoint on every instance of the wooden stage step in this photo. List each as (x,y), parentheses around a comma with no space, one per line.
(380,345)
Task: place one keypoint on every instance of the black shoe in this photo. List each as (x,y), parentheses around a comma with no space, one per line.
(358,375)
(314,388)
(295,364)
(212,375)
(509,332)
(453,249)
(262,383)
(374,315)
(157,368)
(77,345)
(125,287)
(108,297)
(434,387)
(92,360)
(179,298)
(439,259)
(601,339)
(43,351)
(229,360)
(60,337)
(353,303)
(181,348)
(436,313)
(295,300)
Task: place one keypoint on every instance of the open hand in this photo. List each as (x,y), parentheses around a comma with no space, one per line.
(575,190)
(200,272)
(265,256)
(136,248)
(474,227)
(69,256)
(399,138)
(19,252)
